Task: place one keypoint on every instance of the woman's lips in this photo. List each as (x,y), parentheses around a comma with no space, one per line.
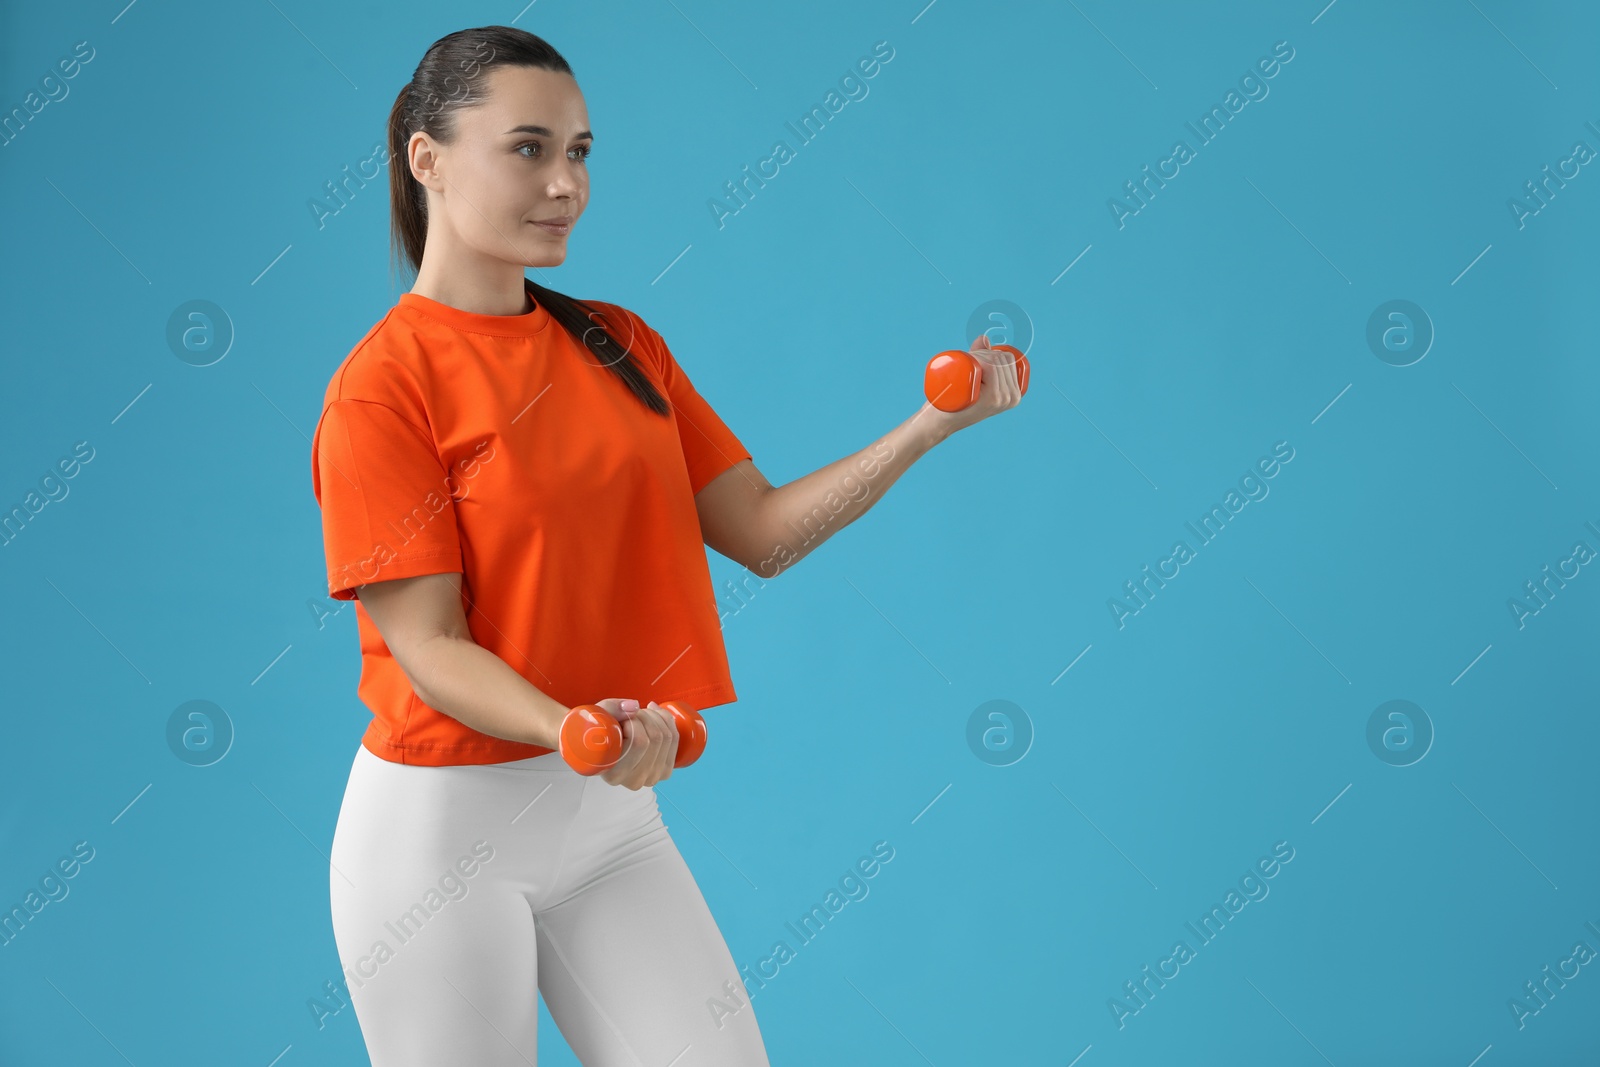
(558,226)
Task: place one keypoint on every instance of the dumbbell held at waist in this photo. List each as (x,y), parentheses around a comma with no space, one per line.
(954,378)
(591,739)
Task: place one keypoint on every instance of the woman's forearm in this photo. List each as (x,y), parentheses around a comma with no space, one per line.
(472,685)
(797,517)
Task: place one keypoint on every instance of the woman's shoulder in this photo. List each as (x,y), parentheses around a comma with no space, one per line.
(616,316)
(381,367)
(628,328)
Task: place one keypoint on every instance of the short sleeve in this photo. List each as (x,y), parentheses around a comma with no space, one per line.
(387,509)
(709,446)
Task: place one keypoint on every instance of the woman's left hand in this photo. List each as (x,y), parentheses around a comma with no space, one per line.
(999,391)
(650,743)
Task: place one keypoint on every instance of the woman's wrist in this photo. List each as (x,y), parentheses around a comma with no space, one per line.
(544,720)
(924,430)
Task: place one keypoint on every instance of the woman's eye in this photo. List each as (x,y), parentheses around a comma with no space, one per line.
(583,151)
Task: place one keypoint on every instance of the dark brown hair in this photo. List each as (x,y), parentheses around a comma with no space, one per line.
(451,77)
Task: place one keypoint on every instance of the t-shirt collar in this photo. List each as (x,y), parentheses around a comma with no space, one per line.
(474,322)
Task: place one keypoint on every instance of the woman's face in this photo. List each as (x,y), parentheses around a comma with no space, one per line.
(517,159)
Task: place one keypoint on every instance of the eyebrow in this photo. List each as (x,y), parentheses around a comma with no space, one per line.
(544,131)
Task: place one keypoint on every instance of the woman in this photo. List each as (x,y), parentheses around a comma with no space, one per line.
(516,489)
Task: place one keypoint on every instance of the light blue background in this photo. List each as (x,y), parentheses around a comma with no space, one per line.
(1230,714)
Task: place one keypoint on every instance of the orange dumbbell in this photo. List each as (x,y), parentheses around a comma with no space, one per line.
(954,378)
(591,737)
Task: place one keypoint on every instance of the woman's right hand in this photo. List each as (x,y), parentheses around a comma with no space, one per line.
(649,743)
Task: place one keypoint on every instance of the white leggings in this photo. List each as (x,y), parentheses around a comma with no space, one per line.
(456,891)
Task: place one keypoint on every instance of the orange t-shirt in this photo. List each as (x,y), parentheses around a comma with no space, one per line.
(501,447)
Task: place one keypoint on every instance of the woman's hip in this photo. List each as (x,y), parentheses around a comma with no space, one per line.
(416,822)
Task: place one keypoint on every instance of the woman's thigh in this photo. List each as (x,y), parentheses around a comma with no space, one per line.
(632,964)
(431,876)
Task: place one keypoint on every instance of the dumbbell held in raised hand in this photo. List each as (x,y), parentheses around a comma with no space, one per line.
(954,378)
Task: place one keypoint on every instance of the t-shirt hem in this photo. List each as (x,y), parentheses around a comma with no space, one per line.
(725,462)
(412,565)
(722,691)
(450,755)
